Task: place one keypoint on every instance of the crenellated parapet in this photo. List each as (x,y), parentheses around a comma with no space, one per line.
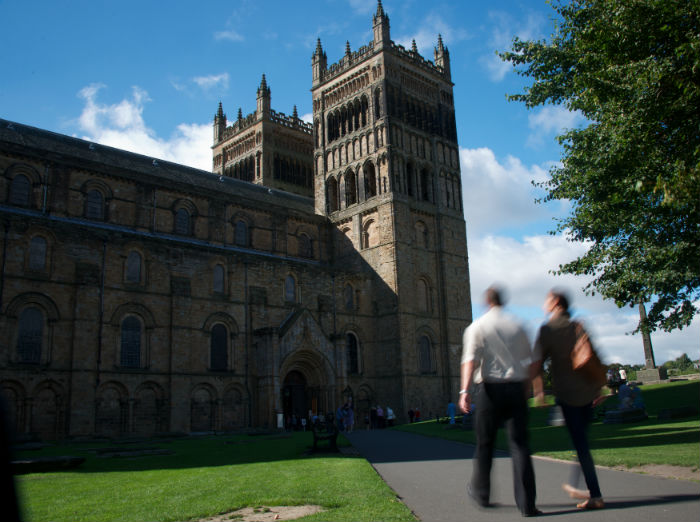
(293,122)
(240,124)
(351,59)
(416,59)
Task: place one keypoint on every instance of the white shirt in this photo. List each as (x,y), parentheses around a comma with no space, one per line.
(500,347)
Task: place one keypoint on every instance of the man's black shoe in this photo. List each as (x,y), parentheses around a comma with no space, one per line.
(532,513)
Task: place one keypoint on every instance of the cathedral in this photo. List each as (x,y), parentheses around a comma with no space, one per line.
(316,264)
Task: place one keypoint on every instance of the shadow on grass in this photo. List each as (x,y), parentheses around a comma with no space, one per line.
(201,452)
(613,436)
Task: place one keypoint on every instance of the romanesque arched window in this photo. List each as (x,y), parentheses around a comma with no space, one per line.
(37,254)
(133,268)
(305,246)
(425,185)
(424,355)
(94,205)
(423,296)
(241,233)
(363,111)
(410,173)
(182,222)
(30,333)
(218,279)
(20,190)
(352,349)
(370,235)
(219,348)
(350,188)
(332,195)
(349,297)
(130,355)
(290,289)
(377,104)
(370,180)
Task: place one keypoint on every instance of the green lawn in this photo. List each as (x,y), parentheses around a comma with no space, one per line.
(205,477)
(649,442)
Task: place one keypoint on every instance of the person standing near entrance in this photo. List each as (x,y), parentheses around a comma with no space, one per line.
(496,357)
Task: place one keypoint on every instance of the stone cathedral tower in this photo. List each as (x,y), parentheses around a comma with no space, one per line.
(387,176)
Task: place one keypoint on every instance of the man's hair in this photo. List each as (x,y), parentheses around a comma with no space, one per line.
(561,298)
(494,296)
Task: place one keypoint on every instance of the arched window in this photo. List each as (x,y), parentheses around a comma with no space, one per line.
(219,279)
(422,296)
(377,104)
(37,253)
(29,336)
(130,343)
(350,189)
(94,208)
(332,195)
(182,222)
(290,289)
(20,189)
(370,181)
(219,348)
(305,246)
(409,178)
(133,267)
(424,355)
(425,185)
(370,235)
(349,297)
(241,233)
(353,353)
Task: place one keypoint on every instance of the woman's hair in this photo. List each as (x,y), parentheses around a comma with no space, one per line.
(561,298)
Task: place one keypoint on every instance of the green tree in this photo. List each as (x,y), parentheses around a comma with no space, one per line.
(632,172)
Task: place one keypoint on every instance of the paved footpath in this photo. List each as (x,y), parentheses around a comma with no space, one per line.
(430,475)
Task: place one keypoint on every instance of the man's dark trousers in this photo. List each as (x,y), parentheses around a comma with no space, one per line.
(497,403)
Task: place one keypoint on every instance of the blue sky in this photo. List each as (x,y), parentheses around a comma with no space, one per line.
(147,76)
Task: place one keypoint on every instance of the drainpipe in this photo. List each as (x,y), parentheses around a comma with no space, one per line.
(248,323)
(101,314)
(4,257)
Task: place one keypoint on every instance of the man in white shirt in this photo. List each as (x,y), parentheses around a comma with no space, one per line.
(496,357)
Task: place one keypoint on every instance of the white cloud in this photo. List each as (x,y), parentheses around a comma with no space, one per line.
(230,35)
(523,267)
(550,121)
(426,36)
(363,6)
(308,117)
(122,125)
(498,195)
(211,81)
(503,30)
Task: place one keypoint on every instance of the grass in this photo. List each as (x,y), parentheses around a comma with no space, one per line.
(206,477)
(652,441)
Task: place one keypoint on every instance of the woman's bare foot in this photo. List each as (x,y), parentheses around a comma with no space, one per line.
(575,492)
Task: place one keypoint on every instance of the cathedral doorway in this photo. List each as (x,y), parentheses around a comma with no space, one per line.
(295,396)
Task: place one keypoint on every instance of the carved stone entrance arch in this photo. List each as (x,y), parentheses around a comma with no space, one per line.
(308,384)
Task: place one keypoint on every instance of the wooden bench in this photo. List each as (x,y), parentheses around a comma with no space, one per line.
(327,431)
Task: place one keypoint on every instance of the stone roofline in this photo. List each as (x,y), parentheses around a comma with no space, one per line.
(367,51)
(60,148)
(279,118)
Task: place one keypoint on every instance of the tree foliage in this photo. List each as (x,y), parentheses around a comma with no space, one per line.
(632,173)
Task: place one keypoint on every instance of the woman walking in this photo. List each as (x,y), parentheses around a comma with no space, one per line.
(574,391)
